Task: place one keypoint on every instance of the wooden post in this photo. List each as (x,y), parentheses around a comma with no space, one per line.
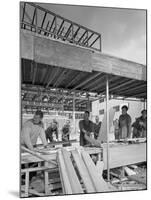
(145,106)
(107,126)
(27,184)
(73,115)
(100,44)
(46,180)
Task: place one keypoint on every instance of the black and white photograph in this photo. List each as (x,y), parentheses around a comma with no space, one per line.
(83,99)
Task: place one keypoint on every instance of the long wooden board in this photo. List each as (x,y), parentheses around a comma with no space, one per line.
(66,185)
(74,181)
(83,172)
(99,184)
(56,53)
(124,154)
(103,131)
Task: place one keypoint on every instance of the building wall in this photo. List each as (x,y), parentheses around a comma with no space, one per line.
(134,111)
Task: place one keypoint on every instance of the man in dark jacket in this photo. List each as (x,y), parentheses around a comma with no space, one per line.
(140,125)
(51,131)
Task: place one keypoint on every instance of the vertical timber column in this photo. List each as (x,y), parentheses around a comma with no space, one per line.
(27,184)
(46,180)
(107,127)
(145,104)
(73,115)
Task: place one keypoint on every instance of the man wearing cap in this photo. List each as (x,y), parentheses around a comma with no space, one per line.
(31,130)
(140,125)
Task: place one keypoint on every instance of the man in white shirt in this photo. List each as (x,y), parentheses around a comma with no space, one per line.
(31,130)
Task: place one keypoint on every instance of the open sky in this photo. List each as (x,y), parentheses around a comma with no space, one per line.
(123,30)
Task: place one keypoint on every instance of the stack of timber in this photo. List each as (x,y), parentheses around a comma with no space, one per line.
(79,174)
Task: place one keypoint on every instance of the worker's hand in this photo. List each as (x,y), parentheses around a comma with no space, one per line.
(97,143)
(92,134)
(84,131)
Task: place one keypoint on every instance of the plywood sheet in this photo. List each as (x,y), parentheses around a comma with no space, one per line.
(103,131)
(124,154)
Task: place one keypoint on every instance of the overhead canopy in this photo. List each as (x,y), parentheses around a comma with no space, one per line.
(49,63)
(59,77)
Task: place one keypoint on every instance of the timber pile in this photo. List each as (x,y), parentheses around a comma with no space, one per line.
(79,174)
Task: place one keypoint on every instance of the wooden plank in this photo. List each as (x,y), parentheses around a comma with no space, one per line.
(38,155)
(112,65)
(83,172)
(75,184)
(103,131)
(31,191)
(35,169)
(47,191)
(137,179)
(129,171)
(124,154)
(57,53)
(28,158)
(66,186)
(99,184)
(55,186)
(27,184)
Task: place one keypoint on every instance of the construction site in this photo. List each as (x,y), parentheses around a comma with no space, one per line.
(63,73)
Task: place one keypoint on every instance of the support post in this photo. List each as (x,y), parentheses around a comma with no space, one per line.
(46,180)
(145,106)
(107,126)
(73,115)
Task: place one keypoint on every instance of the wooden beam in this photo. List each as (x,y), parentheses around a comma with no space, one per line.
(94,41)
(43,21)
(66,186)
(27,184)
(82,36)
(38,155)
(132,88)
(52,78)
(73,80)
(88,38)
(74,57)
(128,154)
(99,184)
(33,18)
(60,27)
(95,83)
(68,32)
(121,85)
(90,78)
(60,78)
(76,33)
(47,191)
(83,172)
(24,7)
(75,184)
(52,24)
(107,127)
(137,179)
(35,169)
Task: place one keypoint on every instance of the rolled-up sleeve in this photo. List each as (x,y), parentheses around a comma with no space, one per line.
(26,137)
(43,136)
